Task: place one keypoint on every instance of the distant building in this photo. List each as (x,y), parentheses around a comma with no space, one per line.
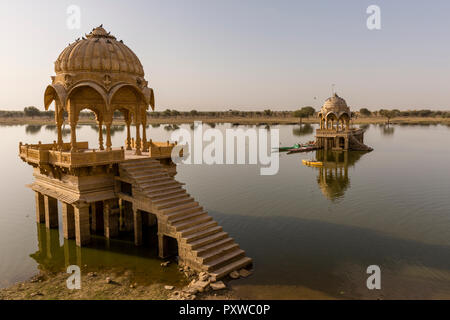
(335,132)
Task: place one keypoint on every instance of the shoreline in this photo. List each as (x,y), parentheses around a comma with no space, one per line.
(233,120)
(107,284)
(115,284)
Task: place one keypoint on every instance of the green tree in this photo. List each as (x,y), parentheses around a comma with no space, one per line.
(175,113)
(31,111)
(365,112)
(304,112)
(389,114)
(268,112)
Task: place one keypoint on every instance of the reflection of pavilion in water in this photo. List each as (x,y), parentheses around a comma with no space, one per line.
(333,176)
(55,256)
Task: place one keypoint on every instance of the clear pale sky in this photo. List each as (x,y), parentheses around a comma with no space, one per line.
(217,55)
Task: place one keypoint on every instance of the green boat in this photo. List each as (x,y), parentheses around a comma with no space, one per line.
(295,146)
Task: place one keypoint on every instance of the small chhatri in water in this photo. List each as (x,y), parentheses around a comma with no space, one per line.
(335,132)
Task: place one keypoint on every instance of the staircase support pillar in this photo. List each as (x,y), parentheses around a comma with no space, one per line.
(137,222)
(82,230)
(162,246)
(68,218)
(51,212)
(40,207)
(111,218)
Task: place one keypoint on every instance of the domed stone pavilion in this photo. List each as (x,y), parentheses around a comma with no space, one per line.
(335,131)
(102,74)
(128,189)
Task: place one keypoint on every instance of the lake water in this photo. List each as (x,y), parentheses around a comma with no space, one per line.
(310,234)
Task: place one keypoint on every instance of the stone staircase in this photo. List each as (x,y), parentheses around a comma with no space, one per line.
(202,244)
(357,145)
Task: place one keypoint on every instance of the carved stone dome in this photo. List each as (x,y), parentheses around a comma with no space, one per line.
(101,73)
(335,105)
(98,52)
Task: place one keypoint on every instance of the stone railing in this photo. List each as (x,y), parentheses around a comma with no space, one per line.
(161,149)
(158,150)
(333,132)
(47,154)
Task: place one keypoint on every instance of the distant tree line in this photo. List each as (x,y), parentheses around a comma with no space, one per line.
(34,112)
(168,113)
(302,113)
(424,113)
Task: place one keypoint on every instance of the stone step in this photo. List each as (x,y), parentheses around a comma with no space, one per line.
(132,167)
(227,269)
(163,199)
(164,190)
(187,222)
(153,186)
(150,174)
(197,228)
(201,234)
(167,193)
(189,216)
(205,250)
(224,260)
(147,181)
(178,214)
(207,240)
(219,252)
(175,202)
(179,207)
(139,161)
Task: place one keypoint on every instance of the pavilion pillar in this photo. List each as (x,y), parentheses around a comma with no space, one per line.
(162,246)
(346,143)
(51,212)
(100,135)
(325,145)
(40,207)
(59,122)
(144,137)
(128,141)
(93,211)
(60,140)
(82,232)
(73,136)
(111,218)
(137,222)
(138,139)
(108,136)
(68,218)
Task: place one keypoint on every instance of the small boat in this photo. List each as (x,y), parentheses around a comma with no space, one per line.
(312,163)
(295,146)
(305,148)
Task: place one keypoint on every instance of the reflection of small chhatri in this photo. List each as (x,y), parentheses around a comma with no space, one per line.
(112,189)
(333,178)
(335,131)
